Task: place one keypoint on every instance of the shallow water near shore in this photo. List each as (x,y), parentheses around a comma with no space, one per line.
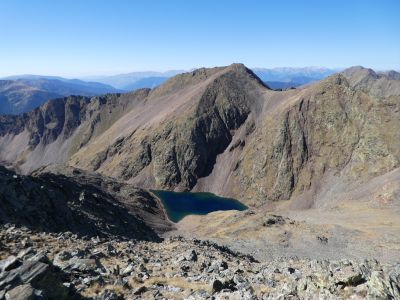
(180,205)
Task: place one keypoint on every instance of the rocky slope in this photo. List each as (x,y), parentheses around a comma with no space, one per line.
(57,129)
(63,266)
(85,204)
(328,132)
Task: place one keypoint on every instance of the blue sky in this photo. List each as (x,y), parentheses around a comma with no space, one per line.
(93,37)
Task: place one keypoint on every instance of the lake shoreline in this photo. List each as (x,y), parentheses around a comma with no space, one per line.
(178,205)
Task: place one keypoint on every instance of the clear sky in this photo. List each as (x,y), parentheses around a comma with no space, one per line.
(95,37)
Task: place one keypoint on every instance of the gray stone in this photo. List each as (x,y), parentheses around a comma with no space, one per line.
(9,263)
(21,292)
(29,272)
(128,270)
(8,280)
(32,271)
(25,252)
(40,256)
(81,265)
(378,286)
(348,276)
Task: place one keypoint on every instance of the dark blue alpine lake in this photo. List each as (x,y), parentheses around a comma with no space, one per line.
(179,205)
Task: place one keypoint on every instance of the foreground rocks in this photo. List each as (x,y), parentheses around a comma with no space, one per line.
(63,266)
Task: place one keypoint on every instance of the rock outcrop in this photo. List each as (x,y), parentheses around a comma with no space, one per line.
(81,203)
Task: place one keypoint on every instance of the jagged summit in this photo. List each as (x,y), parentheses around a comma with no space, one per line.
(239,67)
(360,71)
(379,84)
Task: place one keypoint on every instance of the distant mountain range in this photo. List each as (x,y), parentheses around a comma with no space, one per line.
(299,75)
(135,80)
(19,94)
(285,78)
(22,93)
(276,78)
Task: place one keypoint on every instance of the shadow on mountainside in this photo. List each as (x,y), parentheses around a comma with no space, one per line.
(57,203)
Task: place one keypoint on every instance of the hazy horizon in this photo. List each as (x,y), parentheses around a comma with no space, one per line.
(165,71)
(76,39)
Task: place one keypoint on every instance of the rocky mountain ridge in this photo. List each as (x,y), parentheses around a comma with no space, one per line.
(222,130)
(54,131)
(85,204)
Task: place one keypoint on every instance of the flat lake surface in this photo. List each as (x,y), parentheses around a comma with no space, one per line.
(179,205)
